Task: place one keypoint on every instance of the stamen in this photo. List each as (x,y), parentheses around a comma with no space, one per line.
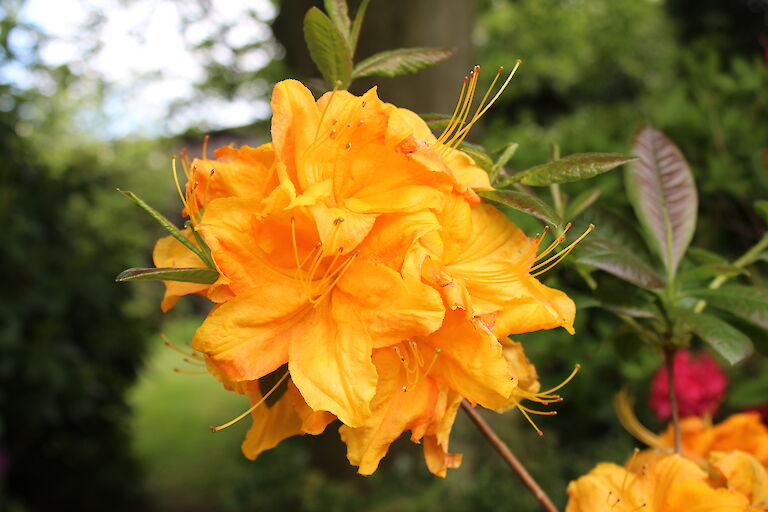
(176,180)
(576,369)
(490,103)
(188,372)
(555,243)
(205,147)
(293,243)
(168,343)
(336,87)
(523,411)
(252,408)
(449,127)
(473,77)
(561,256)
(464,131)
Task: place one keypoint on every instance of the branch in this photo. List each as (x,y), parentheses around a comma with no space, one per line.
(508,456)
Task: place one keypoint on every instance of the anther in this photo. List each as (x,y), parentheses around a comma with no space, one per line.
(360,122)
(363,104)
(348,146)
(405,388)
(333,132)
(349,125)
(338,220)
(334,121)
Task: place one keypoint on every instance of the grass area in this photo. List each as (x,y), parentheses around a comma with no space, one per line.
(186,466)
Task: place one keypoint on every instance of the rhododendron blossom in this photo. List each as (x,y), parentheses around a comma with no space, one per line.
(360,272)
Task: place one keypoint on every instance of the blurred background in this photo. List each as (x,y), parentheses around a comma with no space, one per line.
(98,94)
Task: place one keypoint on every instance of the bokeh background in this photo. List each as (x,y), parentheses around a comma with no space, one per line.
(98,94)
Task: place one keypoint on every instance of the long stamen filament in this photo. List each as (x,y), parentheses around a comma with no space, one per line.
(473,77)
(252,408)
(554,243)
(168,343)
(490,103)
(176,180)
(561,256)
(479,111)
(189,372)
(451,123)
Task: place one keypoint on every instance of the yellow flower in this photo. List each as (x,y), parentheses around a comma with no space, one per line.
(744,474)
(742,431)
(668,484)
(354,251)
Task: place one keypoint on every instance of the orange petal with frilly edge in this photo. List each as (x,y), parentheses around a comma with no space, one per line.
(395,409)
(391,306)
(295,120)
(248,336)
(330,362)
(270,424)
(470,360)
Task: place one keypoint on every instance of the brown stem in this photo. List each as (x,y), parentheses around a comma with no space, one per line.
(508,456)
(669,359)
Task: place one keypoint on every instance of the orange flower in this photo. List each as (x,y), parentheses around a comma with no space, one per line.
(743,473)
(743,431)
(668,484)
(354,250)
(484,263)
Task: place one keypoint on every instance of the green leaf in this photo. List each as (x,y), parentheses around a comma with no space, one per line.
(269,381)
(339,13)
(478,154)
(623,300)
(187,275)
(711,270)
(705,257)
(328,48)
(357,25)
(762,208)
(582,202)
(436,122)
(168,226)
(747,302)
(525,202)
(662,192)
(726,340)
(400,61)
(507,152)
(618,260)
(575,167)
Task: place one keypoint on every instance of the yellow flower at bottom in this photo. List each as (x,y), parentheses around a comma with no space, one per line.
(669,484)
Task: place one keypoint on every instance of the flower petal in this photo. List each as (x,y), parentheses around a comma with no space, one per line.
(270,424)
(392,308)
(330,363)
(470,361)
(295,120)
(248,336)
(395,408)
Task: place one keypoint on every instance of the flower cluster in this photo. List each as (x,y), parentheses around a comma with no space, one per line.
(723,469)
(361,278)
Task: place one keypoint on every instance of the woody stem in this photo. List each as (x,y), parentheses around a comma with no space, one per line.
(669,359)
(508,456)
